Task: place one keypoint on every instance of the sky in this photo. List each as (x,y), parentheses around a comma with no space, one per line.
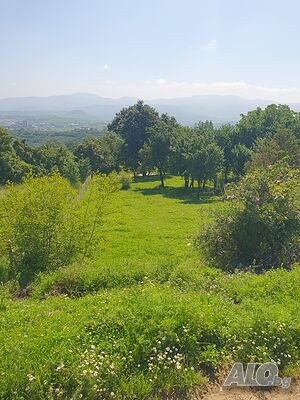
(151,49)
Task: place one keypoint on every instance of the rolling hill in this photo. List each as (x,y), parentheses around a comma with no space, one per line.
(187,110)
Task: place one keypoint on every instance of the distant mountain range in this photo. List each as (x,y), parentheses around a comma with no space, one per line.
(187,110)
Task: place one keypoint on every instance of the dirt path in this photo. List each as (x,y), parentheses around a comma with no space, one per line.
(219,393)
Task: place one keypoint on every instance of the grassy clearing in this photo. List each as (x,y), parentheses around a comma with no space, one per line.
(146,319)
(147,233)
(149,224)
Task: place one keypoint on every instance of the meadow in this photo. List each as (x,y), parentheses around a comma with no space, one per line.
(145,318)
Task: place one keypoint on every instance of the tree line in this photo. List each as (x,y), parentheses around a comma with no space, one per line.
(142,141)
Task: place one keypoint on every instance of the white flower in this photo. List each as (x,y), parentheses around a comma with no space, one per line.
(30,377)
(60,367)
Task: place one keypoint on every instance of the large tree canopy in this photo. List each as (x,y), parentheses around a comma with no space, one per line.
(260,123)
(132,124)
(12,167)
(156,150)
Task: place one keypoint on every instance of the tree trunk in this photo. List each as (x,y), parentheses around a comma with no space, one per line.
(192,183)
(161,178)
(204,183)
(199,187)
(226,175)
(186,181)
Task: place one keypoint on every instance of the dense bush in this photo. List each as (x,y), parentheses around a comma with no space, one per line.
(261,224)
(125,179)
(269,150)
(45,224)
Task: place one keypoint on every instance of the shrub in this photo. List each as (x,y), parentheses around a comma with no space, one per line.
(260,225)
(45,224)
(125,179)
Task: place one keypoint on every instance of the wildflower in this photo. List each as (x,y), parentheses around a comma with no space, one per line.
(30,377)
(60,367)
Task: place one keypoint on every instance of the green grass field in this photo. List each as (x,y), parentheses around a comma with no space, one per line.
(145,319)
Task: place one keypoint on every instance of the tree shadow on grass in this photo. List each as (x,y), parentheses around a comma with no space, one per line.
(149,178)
(186,196)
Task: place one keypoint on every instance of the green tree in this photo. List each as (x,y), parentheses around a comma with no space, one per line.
(206,158)
(104,154)
(262,123)
(12,168)
(23,150)
(156,149)
(240,156)
(181,153)
(226,140)
(268,151)
(84,168)
(55,157)
(5,141)
(132,124)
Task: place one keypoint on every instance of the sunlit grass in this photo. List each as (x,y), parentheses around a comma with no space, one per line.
(147,223)
(146,319)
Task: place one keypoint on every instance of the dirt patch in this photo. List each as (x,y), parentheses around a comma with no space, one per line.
(217,392)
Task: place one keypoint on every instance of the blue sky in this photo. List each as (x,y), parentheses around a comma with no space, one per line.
(149,49)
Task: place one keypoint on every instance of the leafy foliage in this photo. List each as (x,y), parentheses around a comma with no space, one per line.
(261,123)
(156,150)
(268,151)
(125,179)
(49,158)
(261,225)
(103,155)
(12,168)
(45,224)
(132,125)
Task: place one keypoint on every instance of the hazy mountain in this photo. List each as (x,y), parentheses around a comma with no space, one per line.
(187,110)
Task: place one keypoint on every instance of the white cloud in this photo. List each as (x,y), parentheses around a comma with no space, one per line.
(212,44)
(160,81)
(159,88)
(106,67)
(236,85)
